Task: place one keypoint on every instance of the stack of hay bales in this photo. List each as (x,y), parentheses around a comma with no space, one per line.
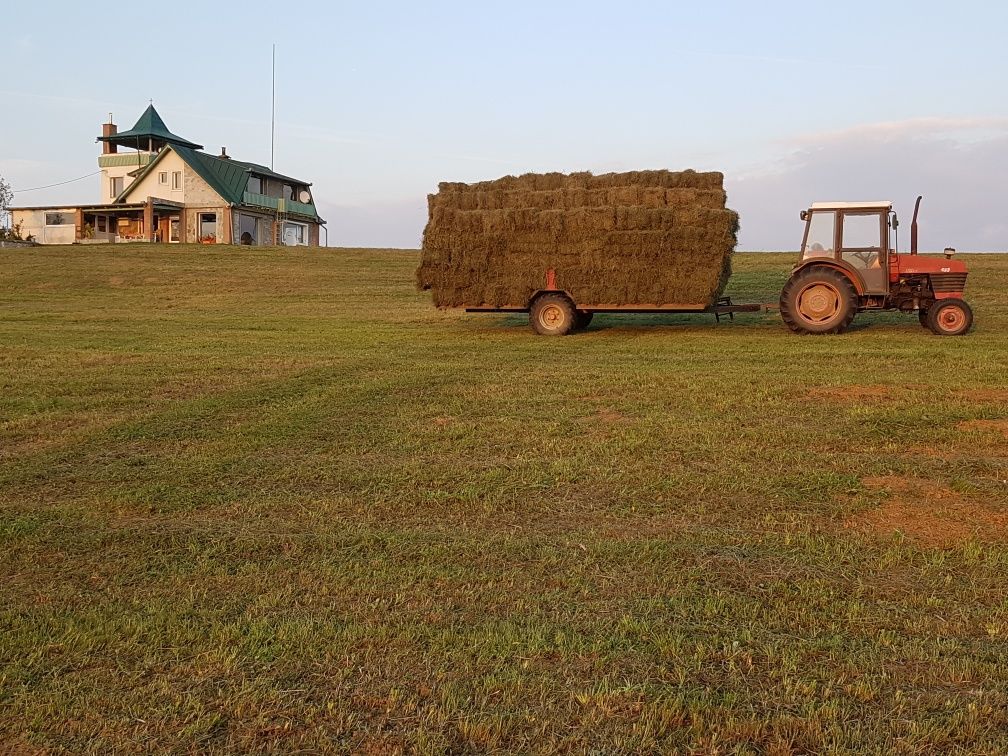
(644,237)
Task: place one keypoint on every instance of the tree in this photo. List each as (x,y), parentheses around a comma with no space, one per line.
(6,197)
(7,231)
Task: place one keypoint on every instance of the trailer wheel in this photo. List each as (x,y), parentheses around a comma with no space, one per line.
(818,300)
(582,320)
(950,317)
(552,315)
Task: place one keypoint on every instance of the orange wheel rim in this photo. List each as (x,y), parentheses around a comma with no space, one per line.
(551,316)
(951,318)
(818,302)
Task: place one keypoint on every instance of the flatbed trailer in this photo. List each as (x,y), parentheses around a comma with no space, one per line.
(724,306)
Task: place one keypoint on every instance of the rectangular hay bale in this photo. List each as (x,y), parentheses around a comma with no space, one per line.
(641,237)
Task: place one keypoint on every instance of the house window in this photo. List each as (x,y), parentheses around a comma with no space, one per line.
(176,180)
(295,234)
(255,185)
(173,234)
(208,227)
(102,223)
(59,219)
(247,229)
(163,178)
(116,186)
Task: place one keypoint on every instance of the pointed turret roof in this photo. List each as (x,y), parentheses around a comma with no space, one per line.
(148,132)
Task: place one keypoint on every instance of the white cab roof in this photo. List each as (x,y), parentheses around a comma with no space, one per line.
(847,205)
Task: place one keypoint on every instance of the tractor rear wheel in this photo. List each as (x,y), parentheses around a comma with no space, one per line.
(950,317)
(582,320)
(818,299)
(552,315)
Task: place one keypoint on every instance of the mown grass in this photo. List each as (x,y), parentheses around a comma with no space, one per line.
(270,500)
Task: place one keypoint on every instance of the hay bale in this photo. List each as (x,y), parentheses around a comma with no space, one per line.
(642,237)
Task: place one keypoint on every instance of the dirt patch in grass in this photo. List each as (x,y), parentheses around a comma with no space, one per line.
(16,745)
(609,416)
(985,425)
(932,452)
(929,513)
(851,393)
(984,395)
(604,421)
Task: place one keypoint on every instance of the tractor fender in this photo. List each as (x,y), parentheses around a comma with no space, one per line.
(844,267)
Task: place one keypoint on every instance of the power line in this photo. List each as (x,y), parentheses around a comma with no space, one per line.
(50,186)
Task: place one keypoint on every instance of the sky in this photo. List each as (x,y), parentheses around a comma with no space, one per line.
(378,102)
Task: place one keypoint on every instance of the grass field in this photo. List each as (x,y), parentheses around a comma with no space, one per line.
(271,500)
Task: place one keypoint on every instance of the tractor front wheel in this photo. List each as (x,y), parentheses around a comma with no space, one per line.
(552,315)
(818,300)
(949,317)
(582,320)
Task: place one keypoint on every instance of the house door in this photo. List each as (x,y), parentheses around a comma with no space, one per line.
(163,229)
(173,229)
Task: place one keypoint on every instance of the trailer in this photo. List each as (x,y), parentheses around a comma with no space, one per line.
(551,309)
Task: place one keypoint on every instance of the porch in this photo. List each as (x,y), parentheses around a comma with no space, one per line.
(152,221)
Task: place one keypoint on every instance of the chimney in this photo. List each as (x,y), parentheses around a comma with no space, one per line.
(107,130)
(223,154)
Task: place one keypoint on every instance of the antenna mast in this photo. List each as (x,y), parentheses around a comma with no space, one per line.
(273,109)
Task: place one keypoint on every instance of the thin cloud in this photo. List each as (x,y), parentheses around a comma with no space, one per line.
(805,63)
(476,159)
(910,127)
(102,105)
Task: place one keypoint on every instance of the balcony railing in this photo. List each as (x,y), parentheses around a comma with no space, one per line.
(290,206)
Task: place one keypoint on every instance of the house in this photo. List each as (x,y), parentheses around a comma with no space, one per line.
(157,186)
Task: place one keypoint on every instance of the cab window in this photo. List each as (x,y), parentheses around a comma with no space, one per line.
(819,237)
(862,240)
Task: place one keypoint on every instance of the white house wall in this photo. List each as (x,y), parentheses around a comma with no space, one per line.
(151,186)
(120,171)
(33,222)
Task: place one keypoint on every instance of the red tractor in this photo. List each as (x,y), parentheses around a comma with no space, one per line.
(848,266)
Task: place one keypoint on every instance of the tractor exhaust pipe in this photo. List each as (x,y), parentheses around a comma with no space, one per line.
(913,227)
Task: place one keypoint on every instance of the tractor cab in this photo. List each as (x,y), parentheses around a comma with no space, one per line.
(854,237)
(849,263)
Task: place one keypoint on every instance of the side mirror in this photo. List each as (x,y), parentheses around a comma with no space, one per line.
(803,214)
(894,222)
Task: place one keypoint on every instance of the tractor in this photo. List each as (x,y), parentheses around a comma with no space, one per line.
(848,265)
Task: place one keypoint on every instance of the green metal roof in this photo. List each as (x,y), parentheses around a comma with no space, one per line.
(226,176)
(262,170)
(150,126)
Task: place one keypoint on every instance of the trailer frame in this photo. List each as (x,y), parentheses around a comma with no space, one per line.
(723,306)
